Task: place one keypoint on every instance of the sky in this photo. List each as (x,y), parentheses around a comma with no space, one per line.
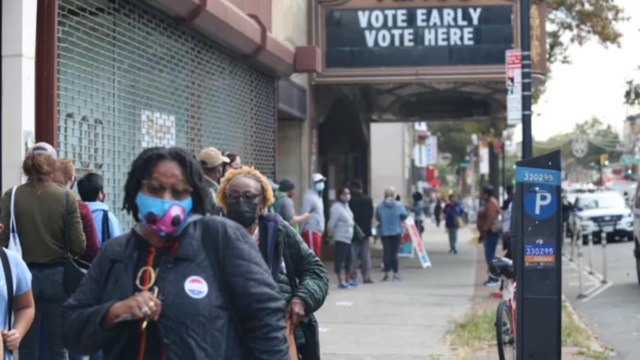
(593,84)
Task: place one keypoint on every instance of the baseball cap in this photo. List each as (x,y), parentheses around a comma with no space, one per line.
(42,148)
(287,185)
(318,177)
(211,157)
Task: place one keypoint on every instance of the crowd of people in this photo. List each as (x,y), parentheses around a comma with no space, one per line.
(208,271)
(219,264)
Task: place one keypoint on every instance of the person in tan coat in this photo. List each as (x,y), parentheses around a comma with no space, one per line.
(488,225)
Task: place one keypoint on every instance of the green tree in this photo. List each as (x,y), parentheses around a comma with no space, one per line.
(632,94)
(603,139)
(579,21)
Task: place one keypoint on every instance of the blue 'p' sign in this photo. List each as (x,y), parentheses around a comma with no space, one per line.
(540,202)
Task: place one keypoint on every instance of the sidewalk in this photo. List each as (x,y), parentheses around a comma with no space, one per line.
(405,320)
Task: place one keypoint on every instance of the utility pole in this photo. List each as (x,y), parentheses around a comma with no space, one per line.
(525,46)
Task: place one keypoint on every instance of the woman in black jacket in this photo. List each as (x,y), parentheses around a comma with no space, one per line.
(164,290)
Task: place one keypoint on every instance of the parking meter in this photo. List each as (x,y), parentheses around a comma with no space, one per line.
(538,261)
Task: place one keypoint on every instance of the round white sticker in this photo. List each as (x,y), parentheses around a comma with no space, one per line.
(196,287)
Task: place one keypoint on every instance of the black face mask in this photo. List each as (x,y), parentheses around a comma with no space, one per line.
(243,213)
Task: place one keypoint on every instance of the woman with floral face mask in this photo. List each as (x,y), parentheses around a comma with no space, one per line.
(244,196)
(162,291)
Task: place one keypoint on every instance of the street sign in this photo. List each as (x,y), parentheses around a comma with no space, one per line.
(483,157)
(538,224)
(514,87)
(625,160)
(420,156)
(464,165)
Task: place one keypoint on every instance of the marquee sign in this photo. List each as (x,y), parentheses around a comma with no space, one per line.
(427,39)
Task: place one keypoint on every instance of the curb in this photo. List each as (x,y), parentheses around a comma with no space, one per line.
(595,344)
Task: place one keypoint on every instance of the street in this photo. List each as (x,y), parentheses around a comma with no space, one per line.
(612,311)
(402,320)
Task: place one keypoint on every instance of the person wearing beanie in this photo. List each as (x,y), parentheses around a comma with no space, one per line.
(284,203)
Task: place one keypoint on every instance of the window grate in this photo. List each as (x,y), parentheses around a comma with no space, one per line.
(129,78)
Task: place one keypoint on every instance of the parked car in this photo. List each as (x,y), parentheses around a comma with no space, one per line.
(602,212)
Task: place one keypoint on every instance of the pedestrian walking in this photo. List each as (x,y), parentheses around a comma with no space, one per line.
(391,215)
(45,216)
(340,229)
(178,285)
(453,214)
(490,227)
(66,177)
(284,206)
(437,211)
(419,209)
(91,190)
(313,229)
(301,277)
(213,163)
(17,300)
(362,207)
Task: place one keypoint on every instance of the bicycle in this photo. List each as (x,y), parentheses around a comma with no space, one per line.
(502,268)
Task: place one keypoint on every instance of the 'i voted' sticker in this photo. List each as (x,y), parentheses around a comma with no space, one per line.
(196,287)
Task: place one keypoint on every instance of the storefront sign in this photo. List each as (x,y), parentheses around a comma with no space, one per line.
(483,157)
(418,36)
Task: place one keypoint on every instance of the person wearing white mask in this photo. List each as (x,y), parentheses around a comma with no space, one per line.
(313,228)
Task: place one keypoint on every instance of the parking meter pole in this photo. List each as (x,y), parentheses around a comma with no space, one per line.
(590,237)
(604,258)
(581,294)
(538,257)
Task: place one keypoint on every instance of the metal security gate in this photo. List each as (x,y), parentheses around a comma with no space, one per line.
(130,78)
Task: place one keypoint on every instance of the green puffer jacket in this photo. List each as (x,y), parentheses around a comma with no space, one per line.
(285,251)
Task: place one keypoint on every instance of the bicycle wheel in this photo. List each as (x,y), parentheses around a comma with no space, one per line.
(504,333)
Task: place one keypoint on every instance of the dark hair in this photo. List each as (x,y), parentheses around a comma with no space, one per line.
(39,167)
(356,184)
(509,189)
(143,166)
(90,186)
(417,196)
(341,190)
(487,190)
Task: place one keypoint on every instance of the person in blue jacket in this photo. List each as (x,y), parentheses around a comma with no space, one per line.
(391,215)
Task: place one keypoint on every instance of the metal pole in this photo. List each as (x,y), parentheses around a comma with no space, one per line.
(581,294)
(604,258)
(573,247)
(525,46)
(590,253)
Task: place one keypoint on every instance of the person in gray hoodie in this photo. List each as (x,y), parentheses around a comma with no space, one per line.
(312,204)
(341,225)
(391,215)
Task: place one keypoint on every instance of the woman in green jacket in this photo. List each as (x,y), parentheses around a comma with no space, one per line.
(244,195)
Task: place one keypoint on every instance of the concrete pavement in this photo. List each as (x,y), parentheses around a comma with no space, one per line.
(612,311)
(402,320)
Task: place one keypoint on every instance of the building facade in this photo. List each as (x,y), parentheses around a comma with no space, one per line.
(116,77)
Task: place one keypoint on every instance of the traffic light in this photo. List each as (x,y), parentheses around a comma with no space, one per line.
(604,159)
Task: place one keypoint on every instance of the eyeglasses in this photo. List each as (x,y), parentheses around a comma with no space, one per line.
(247,197)
(158,190)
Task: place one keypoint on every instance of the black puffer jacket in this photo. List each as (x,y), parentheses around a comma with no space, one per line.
(189,328)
